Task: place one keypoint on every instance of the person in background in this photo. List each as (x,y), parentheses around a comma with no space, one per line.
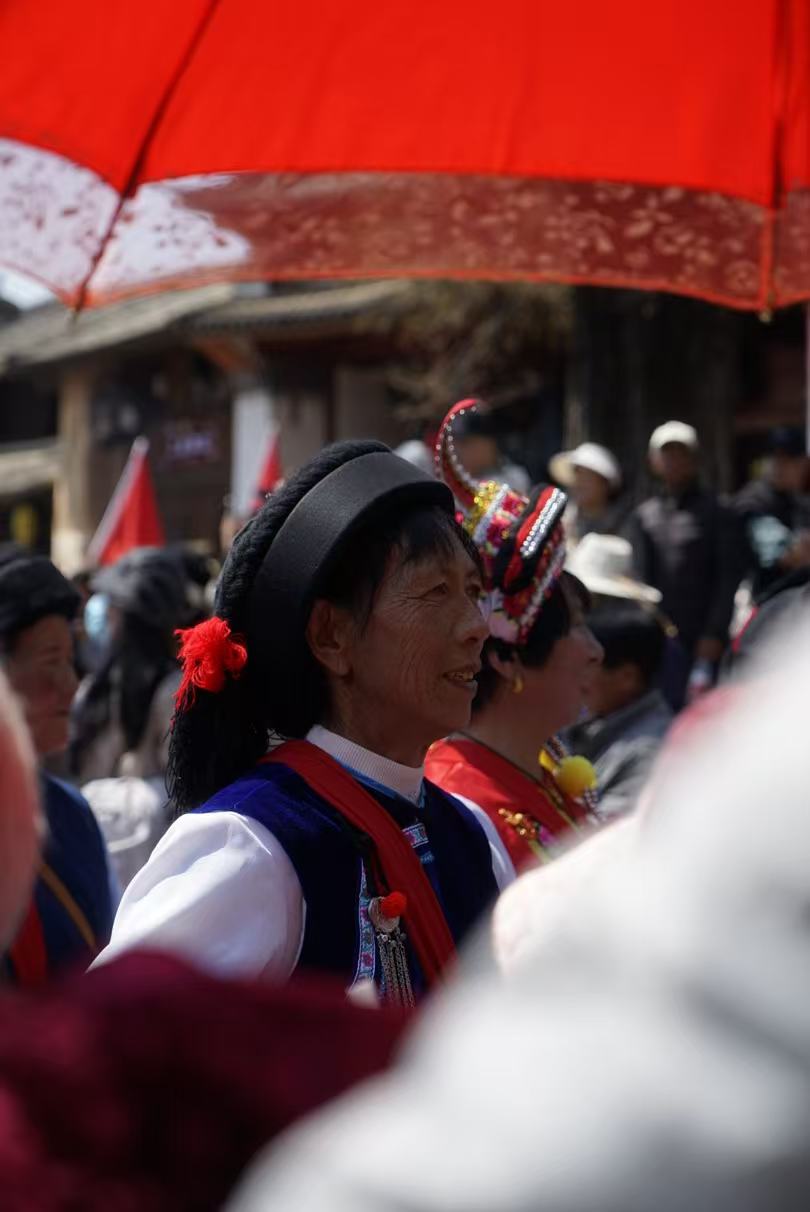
(69,915)
(122,713)
(593,480)
(776,512)
(786,603)
(538,665)
(604,565)
(86,654)
(629,716)
(476,445)
(689,546)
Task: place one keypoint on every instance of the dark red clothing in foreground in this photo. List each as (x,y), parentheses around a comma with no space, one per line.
(147,1085)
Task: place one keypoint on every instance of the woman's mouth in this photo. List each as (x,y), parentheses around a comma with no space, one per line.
(465,678)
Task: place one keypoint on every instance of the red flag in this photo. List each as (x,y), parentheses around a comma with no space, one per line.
(131,519)
(272,472)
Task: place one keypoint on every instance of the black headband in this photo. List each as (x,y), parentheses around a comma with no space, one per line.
(310,539)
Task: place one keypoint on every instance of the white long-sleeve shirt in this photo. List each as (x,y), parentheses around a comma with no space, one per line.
(220,890)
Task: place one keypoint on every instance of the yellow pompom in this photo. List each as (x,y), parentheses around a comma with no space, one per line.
(547,761)
(575,775)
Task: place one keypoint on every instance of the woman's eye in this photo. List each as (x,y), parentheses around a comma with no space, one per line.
(476,592)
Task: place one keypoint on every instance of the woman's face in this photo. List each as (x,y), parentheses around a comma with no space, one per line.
(41,671)
(590,490)
(562,687)
(409,673)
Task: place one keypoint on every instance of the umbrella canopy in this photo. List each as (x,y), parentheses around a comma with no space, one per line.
(662,145)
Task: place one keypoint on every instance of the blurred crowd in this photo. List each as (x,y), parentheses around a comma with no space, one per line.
(616,644)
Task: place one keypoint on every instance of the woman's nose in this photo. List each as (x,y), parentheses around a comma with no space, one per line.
(69,681)
(475,625)
(597,652)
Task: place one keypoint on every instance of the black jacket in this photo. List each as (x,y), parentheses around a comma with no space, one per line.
(690,547)
(770,519)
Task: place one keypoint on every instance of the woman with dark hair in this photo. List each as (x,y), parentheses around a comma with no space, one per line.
(123,711)
(347,625)
(120,714)
(539,661)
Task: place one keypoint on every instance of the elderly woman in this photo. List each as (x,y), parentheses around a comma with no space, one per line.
(69,915)
(539,661)
(347,624)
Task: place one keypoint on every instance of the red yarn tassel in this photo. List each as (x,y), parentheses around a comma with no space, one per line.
(208,654)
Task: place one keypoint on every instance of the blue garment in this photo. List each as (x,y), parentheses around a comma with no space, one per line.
(74,850)
(327,855)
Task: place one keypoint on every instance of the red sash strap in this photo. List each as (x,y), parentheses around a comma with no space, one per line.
(428,931)
(27,953)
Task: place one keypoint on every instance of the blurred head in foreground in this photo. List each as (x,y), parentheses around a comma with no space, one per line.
(19,814)
(661,993)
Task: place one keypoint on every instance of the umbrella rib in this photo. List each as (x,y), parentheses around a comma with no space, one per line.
(143,148)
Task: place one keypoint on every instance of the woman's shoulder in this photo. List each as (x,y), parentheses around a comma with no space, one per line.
(66,808)
(274,796)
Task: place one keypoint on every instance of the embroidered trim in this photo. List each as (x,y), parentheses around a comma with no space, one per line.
(366,966)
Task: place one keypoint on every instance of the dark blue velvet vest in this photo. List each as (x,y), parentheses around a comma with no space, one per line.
(75,851)
(328,860)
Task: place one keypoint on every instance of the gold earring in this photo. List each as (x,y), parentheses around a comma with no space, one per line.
(517,685)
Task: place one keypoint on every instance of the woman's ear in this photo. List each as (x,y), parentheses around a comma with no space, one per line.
(509,668)
(330,635)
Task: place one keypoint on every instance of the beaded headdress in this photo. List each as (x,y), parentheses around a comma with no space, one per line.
(521,540)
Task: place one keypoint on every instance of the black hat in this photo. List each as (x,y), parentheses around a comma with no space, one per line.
(31,588)
(788,440)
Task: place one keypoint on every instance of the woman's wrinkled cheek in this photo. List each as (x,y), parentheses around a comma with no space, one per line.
(411,669)
(45,714)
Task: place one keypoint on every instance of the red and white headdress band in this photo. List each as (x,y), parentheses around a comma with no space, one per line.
(521,540)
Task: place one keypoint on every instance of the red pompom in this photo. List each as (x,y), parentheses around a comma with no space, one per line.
(393,905)
(208,653)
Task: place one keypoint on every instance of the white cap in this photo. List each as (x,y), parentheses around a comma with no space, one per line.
(590,456)
(604,564)
(674,431)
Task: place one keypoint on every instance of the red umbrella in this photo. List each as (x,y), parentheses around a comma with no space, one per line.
(629,143)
